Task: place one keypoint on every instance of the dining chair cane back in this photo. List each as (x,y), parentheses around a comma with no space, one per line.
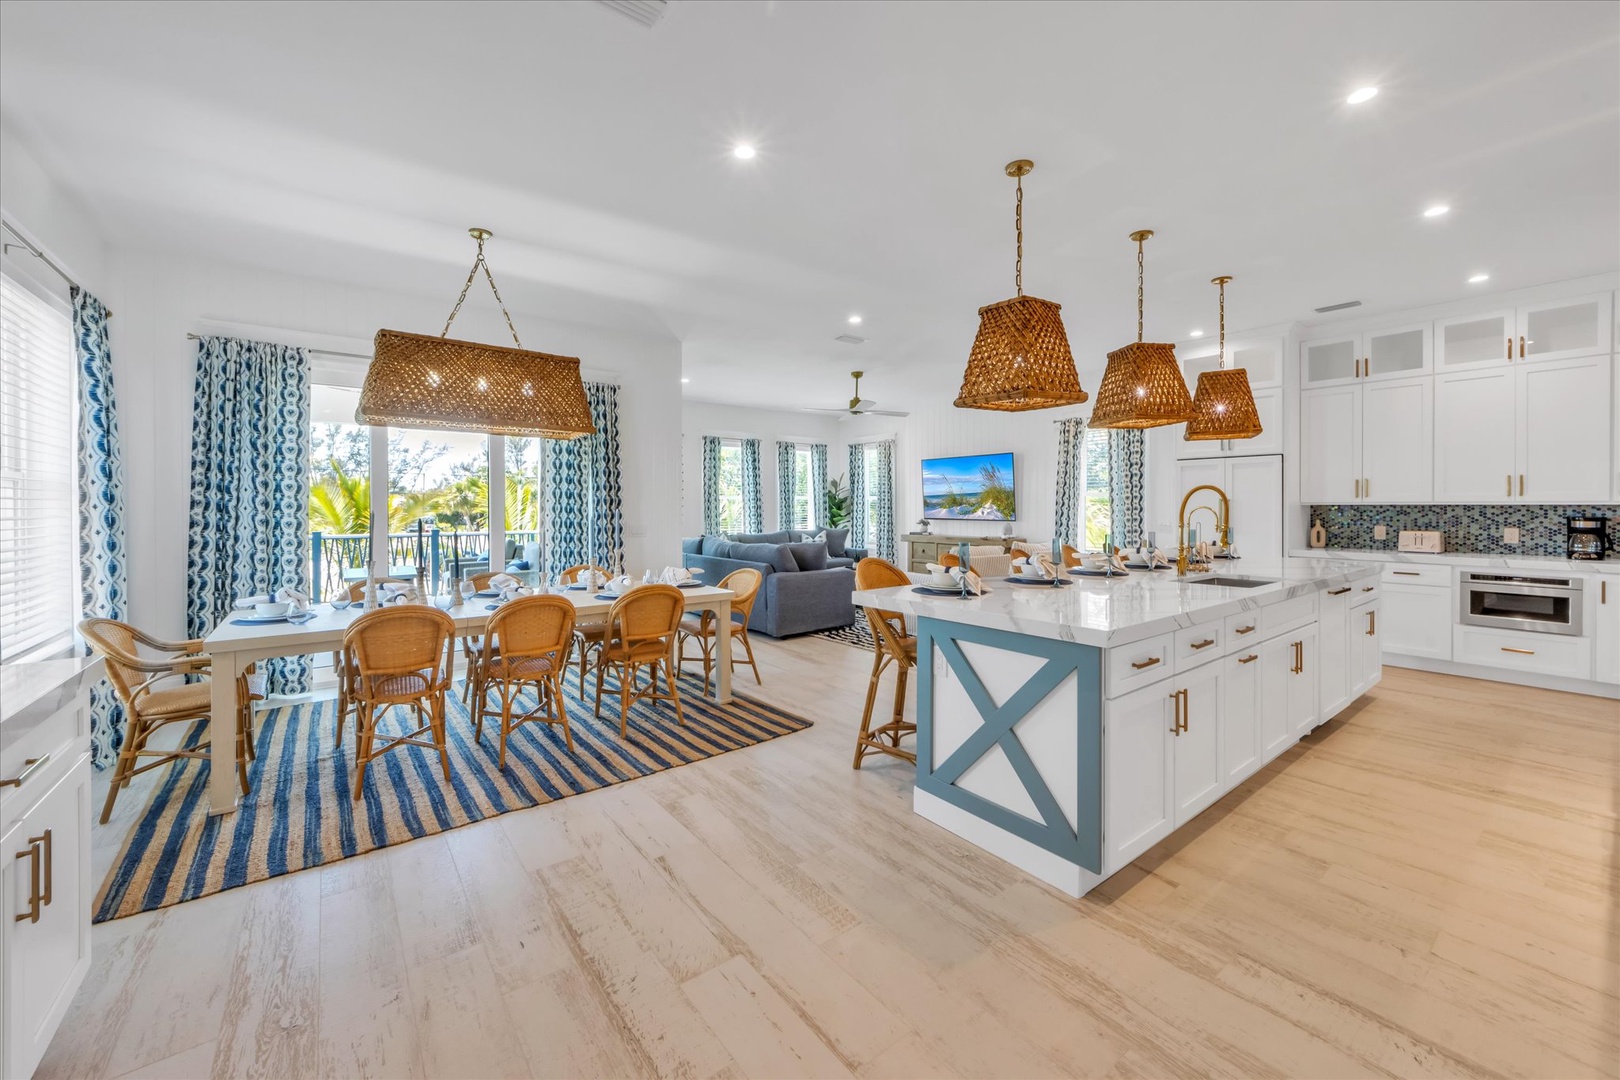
(892,646)
(402,656)
(525,646)
(641,630)
(588,636)
(703,627)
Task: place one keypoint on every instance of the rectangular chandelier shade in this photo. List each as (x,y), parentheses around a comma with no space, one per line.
(1223,407)
(419,381)
(1020,359)
(1142,387)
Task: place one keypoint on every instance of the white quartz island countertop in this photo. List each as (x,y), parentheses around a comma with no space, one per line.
(1108,612)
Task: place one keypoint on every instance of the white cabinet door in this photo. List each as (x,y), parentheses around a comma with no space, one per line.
(1330,444)
(44,959)
(1304,687)
(1254,487)
(1278,659)
(1262,358)
(1328,360)
(1397,441)
(1603,602)
(1269,404)
(1241,710)
(1140,786)
(1565,329)
(1397,352)
(1198,776)
(1417,620)
(1333,647)
(1473,341)
(1474,460)
(1564,428)
(1366,652)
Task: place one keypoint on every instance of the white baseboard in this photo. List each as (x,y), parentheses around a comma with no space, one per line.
(1518,678)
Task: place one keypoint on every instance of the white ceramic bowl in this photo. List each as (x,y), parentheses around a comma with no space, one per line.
(243,603)
(269,610)
(941,580)
(1031,570)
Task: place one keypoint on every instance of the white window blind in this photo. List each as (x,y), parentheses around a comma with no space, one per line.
(38,515)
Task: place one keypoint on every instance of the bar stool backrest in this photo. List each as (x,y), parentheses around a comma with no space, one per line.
(888,627)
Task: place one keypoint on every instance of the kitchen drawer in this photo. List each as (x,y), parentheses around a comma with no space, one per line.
(1196,644)
(1244,629)
(1546,654)
(1406,574)
(1140,663)
(1276,618)
(55,736)
(1364,591)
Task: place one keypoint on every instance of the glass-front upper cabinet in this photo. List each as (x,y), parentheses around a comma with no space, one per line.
(1474,340)
(1260,357)
(1403,350)
(1565,329)
(1330,360)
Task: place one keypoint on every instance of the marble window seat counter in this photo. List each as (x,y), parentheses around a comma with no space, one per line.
(31,693)
(1467,560)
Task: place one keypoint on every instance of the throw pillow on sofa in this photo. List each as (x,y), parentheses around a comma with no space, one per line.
(717,546)
(835,539)
(809,556)
(691,545)
(777,556)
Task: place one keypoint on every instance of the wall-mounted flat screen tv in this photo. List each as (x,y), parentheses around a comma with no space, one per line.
(973,487)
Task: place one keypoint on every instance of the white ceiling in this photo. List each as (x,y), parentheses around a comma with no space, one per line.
(356,141)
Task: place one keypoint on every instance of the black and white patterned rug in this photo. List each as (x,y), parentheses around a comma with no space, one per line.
(857,633)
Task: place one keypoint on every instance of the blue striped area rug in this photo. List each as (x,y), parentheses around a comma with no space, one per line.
(300,811)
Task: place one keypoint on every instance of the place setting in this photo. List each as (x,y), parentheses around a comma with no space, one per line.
(281,606)
(1036,571)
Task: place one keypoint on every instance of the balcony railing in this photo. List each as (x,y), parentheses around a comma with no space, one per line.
(428,555)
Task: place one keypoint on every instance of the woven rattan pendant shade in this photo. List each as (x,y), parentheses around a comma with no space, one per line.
(420,381)
(1142,387)
(1223,407)
(1020,359)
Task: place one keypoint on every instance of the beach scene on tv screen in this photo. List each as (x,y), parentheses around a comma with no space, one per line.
(977,487)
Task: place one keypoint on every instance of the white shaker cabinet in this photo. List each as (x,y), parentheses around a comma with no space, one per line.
(1418,620)
(1565,329)
(1330,444)
(1242,714)
(1474,341)
(1603,614)
(1333,652)
(1139,757)
(1474,452)
(1199,779)
(1371,441)
(1254,487)
(1389,353)
(1366,655)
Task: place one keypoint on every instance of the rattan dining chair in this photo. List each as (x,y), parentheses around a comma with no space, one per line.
(588,636)
(525,646)
(401,656)
(892,646)
(472,644)
(703,627)
(949,559)
(340,667)
(154,693)
(641,630)
(1072,556)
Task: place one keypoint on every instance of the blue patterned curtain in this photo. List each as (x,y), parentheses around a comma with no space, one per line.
(711,485)
(753,495)
(786,485)
(818,485)
(882,487)
(1070,462)
(1126,480)
(584,495)
(858,525)
(102,572)
(249,530)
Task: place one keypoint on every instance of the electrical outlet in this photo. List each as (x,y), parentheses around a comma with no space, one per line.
(1510,534)
(1380,532)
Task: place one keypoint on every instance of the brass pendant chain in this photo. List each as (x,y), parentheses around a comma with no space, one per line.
(1139,241)
(1221,281)
(1018,224)
(480,235)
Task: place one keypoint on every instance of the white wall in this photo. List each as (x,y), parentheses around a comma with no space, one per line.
(159,298)
(700,418)
(53,220)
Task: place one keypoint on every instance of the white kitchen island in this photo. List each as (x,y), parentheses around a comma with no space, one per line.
(1067,730)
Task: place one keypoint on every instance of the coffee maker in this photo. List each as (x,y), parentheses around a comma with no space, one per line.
(1588,537)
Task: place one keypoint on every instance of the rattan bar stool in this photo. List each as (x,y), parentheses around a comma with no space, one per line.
(588,636)
(641,630)
(703,627)
(892,646)
(525,646)
(400,656)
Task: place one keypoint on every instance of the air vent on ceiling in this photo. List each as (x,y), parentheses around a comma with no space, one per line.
(645,12)
(1338,307)
(850,339)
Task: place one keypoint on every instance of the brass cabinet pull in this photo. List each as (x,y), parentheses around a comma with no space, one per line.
(1522,652)
(1358,488)
(1244,630)
(1521,346)
(1521,485)
(1186,711)
(30,767)
(32,855)
(1372,623)
(1510,485)
(1366,488)
(1510,349)
(1368,588)
(1145,664)
(49,874)
(1406,573)
(1251,658)
(1175,727)
(1339,592)
(1299,658)
(1603,592)
(1206,643)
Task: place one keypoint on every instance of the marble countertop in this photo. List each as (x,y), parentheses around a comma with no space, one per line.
(31,693)
(1105,613)
(1469,559)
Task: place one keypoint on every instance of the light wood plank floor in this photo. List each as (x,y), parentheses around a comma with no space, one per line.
(1424,887)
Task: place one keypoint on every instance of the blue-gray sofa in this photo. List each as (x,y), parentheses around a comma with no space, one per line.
(806,587)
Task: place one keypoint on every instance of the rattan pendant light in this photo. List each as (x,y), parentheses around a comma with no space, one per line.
(1142,386)
(1020,358)
(419,381)
(1223,407)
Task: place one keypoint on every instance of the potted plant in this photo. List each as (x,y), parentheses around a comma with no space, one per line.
(836,498)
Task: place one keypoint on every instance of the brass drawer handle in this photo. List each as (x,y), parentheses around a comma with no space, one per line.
(1145,663)
(1244,630)
(34,893)
(1368,588)
(1339,592)
(1206,643)
(1522,652)
(1175,728)
(30,767)
(1251,658)
(1372,623)
(1299,658)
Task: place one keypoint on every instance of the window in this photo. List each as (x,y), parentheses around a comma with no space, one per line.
(1098,509)
(39,596)
(731,492)
(870,474)
(802,495)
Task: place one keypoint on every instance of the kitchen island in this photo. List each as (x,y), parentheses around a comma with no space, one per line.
(1067,730)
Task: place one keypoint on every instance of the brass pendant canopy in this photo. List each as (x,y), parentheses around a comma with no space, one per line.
(1223,407)
(1142,386)
(419,381)
(1020,358)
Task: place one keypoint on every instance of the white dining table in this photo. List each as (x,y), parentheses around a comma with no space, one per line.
(234,645)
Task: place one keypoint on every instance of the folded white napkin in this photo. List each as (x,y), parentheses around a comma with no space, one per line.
(502,582)
(1205,550)
(1159,558)
(294,599)
(674,575)
(392,592)
(1117,561)
(970,578)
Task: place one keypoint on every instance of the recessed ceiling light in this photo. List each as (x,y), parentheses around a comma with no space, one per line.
(1366,93)
(1477,278)
(1436,211)
(854,320)
(686,380)
(742,151)
(1196,333)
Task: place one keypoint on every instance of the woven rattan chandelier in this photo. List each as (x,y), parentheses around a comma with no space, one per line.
(1142,386)
(1223,406)
(1020,358)
(419,381)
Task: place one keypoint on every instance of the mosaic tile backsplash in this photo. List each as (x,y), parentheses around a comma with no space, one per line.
(1476,529)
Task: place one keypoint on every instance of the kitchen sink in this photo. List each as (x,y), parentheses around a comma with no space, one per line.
(1233,582)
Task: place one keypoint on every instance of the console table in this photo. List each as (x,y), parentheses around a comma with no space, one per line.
(925,548)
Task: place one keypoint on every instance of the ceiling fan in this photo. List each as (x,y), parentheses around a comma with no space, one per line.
(859,406)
